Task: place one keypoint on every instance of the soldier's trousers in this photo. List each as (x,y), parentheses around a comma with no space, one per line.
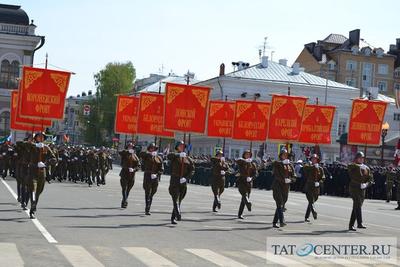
(358,197)
(244,190)
(127,181)
(312,197)
(398,194)
(37,186)
(389,188)
(150,187)
(178,193)
(91,176)
(280,196)
(218,187)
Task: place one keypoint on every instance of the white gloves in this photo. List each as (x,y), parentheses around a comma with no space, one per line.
(60,159)
(222,172)
(15,154)
(131,151)
(182,155)
(39,145)
(287,181)
(4,153)
(10,149)
(75,158)
(41,164)
(364,185)
(130,169)
(154,153)
(183,179)
(222,159)
(249,160)
(248,179)
(363,167)
(316,184)
(153,176)
(316,165)
(286,161)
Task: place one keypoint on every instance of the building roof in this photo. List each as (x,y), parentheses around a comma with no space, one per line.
(335,38)
(11,14)
(278,73)
(155,87)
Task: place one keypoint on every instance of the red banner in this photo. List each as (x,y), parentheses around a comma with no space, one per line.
(151,115)
(221,115)
(317,124)
(366,119)
(20,126)
(285,117)
(186,107)
(42,93)
(126,114)
(251,120)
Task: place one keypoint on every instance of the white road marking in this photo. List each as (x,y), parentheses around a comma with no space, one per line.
(36,222)
(9,255)
(281,260)
(215,258)
(149,257)
(78,256)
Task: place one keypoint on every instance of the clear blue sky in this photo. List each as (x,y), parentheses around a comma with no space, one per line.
(83,36)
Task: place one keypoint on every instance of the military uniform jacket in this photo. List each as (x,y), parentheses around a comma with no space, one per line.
(313,174)
(217,166)
(358,176)
(280,172)
(391,177)
(128,160)
(40,154)
(151,164)
(246,169)
(181,167)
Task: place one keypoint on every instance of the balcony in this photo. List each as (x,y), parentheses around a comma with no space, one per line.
(17,29)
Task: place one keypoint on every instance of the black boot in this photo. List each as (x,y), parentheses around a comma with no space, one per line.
(281,217)
(275,220)
(314,213)
(308,211)
(147,209)
(247,202)
(352,220)
(359,219)
(177,212)
(240,212)
(215,204)
(173,217)
(398,207)
(149,206)
(219,202)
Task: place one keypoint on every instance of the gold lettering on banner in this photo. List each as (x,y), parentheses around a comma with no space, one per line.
(60,80)
(15,100)
(278,103)
(358,107)
(379,110)
(43,99)
(328,114)
(30,76)
(123,103)
(307,112)
(173,92)
(147,100)
(241,108)
(264,108)
(201,96)
(214,107)
(299,104)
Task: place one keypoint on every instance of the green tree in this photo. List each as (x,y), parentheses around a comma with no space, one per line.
(116,78)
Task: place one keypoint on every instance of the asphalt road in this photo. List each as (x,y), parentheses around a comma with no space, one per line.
(87,227)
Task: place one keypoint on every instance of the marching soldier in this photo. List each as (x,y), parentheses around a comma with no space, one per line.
(153,168)
(284,174)
(314,177)
(247,173)
(360,179)
(103,165)
(40,155)
(398,192)
(182,169)
(390,178)
(219,170)
(92,166)
(130,165)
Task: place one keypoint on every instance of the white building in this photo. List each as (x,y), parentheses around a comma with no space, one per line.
(18,43)
(269,78)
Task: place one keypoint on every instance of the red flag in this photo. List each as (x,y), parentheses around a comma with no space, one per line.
(186,107)
(251,120)
(220,118)
(42,94)
(366,119)
(285,118)
(126,114)
(20,126)
(151,115)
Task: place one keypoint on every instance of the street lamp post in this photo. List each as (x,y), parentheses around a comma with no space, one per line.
(385,128)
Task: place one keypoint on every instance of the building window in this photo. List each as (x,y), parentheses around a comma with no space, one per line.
(5,123)
(331,65)
(397,86)
(397,73)
(342,126)
(351,82)
(396,116)
(351,65)
(8,74)
(382,85)
(383,69)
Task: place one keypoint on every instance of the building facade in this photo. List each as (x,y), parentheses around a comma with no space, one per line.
(352,61)
(18,43)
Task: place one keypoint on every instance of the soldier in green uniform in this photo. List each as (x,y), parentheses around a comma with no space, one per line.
(398,191)
(390,178)
(153,169)
(182,169)
(246,175)
(19,152)
(284,174)
(314,177)
(219,170)
(360,178)
(40,155)
(103,165)
(92,166)
(130,165)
